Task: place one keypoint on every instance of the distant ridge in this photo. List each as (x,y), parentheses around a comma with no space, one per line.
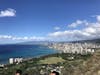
(34,42)
(79,41)
(88,41)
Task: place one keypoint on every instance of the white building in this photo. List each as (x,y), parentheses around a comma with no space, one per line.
(11,60)
(15,60)
(18,60)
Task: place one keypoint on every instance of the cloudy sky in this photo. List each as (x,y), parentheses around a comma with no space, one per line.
(57,20)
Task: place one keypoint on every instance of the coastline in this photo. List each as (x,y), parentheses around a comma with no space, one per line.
(24,51)
(79,48)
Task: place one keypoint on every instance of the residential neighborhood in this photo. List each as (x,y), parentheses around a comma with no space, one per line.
(79,48)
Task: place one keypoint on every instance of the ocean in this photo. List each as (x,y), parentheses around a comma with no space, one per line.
(24,51)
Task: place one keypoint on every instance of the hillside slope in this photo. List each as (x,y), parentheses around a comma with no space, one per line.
(89,67)
(80,65)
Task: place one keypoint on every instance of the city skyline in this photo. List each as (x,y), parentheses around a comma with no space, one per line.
(53,20)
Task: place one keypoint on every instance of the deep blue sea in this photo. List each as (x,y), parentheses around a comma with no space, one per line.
(25,51)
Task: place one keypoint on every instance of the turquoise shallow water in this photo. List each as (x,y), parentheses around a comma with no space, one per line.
(25,51)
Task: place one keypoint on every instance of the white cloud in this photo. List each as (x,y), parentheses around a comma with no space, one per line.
(90,31)
(5,37)
(56,28)
(70,34)
(8,13)
(98,18)
(9,37)
(77,23)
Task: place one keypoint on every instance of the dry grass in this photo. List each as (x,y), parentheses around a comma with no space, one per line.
(51,60)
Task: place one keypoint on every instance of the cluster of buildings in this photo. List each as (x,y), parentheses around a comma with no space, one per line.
(15,60)
(79,48)
(12,61)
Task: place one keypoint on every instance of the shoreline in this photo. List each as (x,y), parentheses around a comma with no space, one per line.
(42,52)
(27,59)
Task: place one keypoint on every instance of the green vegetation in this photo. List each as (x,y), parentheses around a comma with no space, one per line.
(51,60)
(65,63)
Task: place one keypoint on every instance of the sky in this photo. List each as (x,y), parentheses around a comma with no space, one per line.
(50,20)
